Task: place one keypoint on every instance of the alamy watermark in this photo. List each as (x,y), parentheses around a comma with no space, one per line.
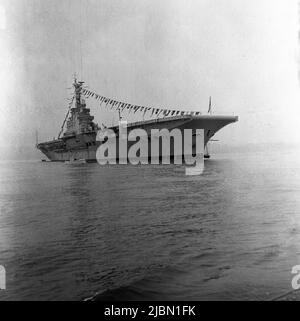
(159,146)
(296,278)
(2,278)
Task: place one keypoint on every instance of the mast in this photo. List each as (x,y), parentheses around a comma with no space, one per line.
(77,95)
(78,91)
(209,106)
(120,116)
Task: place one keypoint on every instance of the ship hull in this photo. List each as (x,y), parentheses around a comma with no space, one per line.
(84,146)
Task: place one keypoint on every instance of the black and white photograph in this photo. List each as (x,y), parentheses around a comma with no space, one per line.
(149,152)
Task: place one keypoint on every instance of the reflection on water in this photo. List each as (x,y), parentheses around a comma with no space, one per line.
(150,232)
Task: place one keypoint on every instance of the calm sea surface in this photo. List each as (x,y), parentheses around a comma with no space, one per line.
(149,232)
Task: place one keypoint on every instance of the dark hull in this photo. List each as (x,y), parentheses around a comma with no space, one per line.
(84,146)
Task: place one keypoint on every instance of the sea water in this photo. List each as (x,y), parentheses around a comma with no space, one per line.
(70,232)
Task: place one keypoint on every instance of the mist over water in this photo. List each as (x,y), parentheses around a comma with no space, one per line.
(150,232)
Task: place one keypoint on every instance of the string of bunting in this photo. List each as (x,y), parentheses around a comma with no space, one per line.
(118,105)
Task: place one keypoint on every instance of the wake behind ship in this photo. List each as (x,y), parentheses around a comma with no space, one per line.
(78,137)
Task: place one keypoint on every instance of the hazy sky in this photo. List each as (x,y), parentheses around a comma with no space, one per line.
(166,53)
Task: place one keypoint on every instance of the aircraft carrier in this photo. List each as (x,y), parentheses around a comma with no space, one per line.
(78,137)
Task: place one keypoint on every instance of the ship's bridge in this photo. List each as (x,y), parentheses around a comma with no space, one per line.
(80,121)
